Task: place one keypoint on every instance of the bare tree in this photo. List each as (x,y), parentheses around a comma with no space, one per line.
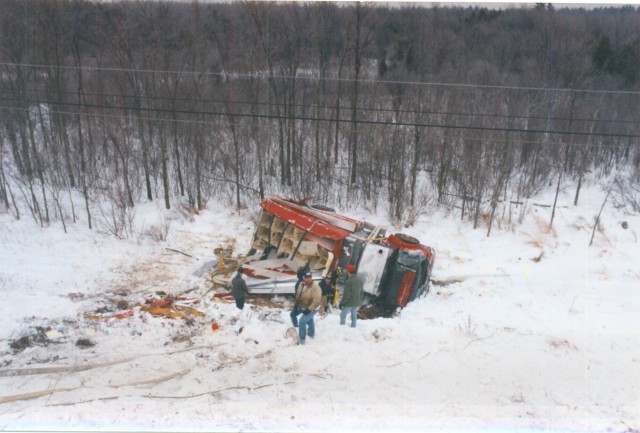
(361,39)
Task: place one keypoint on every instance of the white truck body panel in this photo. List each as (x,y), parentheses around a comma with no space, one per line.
(371,266)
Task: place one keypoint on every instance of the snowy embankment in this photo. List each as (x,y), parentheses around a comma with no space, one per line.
(529,329)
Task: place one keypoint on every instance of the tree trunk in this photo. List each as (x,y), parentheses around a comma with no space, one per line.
(176,151)
(4,196)
(555,199)
(165,173)
(354,102)
(415,162)
(145,154)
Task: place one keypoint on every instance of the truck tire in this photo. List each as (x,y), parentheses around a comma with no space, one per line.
(400,240)
(408,239)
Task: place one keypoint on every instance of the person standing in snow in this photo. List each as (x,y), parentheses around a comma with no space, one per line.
(300,275)
(307,300)
(352,296)
(239,288)
(325,286)
(296,310)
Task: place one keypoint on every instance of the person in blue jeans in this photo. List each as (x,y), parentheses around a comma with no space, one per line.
(307,301)
(351,297)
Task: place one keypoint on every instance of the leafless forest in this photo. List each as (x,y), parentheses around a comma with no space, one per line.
(401,108)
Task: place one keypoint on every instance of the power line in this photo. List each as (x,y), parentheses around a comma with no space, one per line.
(326,129)
(348,121)
(303,77)
(333,108)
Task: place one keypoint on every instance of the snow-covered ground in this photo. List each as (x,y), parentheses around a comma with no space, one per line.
(529,329)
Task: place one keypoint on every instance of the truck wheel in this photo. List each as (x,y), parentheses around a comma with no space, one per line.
(407,239)
(400,240)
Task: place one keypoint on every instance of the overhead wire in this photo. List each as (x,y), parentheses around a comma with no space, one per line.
(102,96)
(304,77)
(349,120)
(326,129)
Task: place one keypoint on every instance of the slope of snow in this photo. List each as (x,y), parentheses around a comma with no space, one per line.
(527,330)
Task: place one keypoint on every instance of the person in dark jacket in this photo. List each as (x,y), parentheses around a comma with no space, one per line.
(239,289)
(300,275)
(325,285)
(352,296)
(297,311)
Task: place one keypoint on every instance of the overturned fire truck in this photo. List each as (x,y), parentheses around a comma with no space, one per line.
(293,235)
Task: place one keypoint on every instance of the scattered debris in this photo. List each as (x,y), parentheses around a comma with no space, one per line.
(224,297)
(119,316)
(448,281)
(168,307)
(85,343)
(373,311)
(477,339)
(38,339)
(206,267)
(539,257)
(561,343)
(291,333)
(44,360)
(261,300)
(271,316)
(379,336)
(20,344)
(165,306)
(181,337)
(180,252)
(225,263)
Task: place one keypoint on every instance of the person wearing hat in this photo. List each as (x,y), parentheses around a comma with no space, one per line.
(325,286)
(307,301)
(351,297)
